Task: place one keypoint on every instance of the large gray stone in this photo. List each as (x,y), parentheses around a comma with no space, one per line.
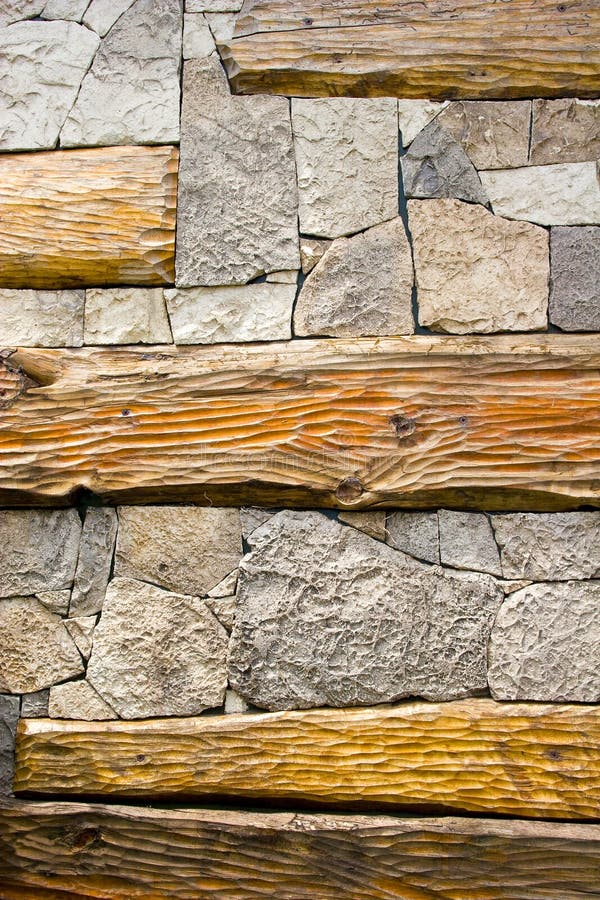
(157,653)
(415,533)
(545,644)
(575,278)
(41,318)
(494,134)
(467,542)
(9,716)
(437,166)
(78,700)
(96,552)
(565,131)
(126,316)
(39,550)
(237,203)
(328,616)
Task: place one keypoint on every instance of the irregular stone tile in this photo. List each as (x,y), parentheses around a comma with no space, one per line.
(234,703)
(9,716)
(575,278)
(328,616)
(549,546)
(494,134)
(79,700)
(41,67)
(198,41)
(81,630)
(226,587)
(41,318)
(415,533)
(222,25)
(467,542)
(101,15)
(35,705)
(361,286)
(131,93)
(213,5)
(36,649)
(70,10)
(223,608)
(39,550)
(157,653)
(188,549)
(214,315)
(566,194)
(477,272)
(437,166)
(415,115)
(347,162)
(251,517)
(565,131)
(56,601)
(237,201)
(17,10)
(372,523)
(545,644)
(311,251)
(126,316)
(288,276)
(95,560)
(510,586)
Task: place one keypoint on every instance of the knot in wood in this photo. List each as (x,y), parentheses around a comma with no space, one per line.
(348,490)
(402,425)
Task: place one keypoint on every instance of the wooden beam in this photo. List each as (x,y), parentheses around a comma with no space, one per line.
(73,218)
(478,756)
(464,49)
(509,422)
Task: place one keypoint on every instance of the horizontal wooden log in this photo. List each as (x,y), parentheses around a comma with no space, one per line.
(73,218)
(442,50)
(479,756)
(93,850)
(503,423)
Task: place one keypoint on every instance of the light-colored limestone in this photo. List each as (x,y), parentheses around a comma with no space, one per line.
(565,131)
(288,276)
(575,278)
(41,318)
(347,161)
(415,533)
(226,587)
(126,316)
(101,15)
(224,610)
(214,6)
(78,700)
(311,251)
(437,166)
(81,630)
(467,542)
(56,601)
(39,550)
(222,25)
(35,705)
(198,41)
(252,516)
(9,716)
(371,522)
(415,115)
(494,134)
(477,272)
(234,703)
(94,563)
(70,10)
(16,10)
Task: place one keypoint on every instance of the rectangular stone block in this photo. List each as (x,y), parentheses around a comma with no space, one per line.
(41,318)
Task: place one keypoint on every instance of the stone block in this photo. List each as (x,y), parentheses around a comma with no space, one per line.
(415,115)
(9,716)
(41,318)
(39,550)
(565,131)
(437,166)
(126,316)
(198,41)
(35,705)
(415,533)
(467,542)
(494,134)
(575,278)
(96,552)
(78,700)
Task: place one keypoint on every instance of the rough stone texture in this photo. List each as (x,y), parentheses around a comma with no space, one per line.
(545,644)
(41,67)
(437,166)
(126,316)
(131,93)
(213,5)
(222,25)
(101,15)
(9,716)
(71,10)
(549,546)
(567,194)
(347,161)
(226,587)
(36,649)
(415,533)
(311,251)
(41,318)
(565,131)
(39,550)
(251,517)
(372,523)
(288,276)
(81,630)
(328,616)
(477,272)
(95,559)
(56,601)
(237,202)
(78,700)
(467,542)
(575,278)
(223,608)
(509,587)
(187,549)
(495,135)
(249,312)
(234,703)
(415,115)
(198,41)
(361,286)
(35,705)
(157,653)
(15,10)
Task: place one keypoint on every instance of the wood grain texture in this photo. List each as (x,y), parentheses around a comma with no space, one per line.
(94,850)
(500,423)
(479,756)
(74,218)
(439,49)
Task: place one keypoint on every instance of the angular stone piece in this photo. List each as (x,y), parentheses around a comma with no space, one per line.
(95,560)
(415,115)
(126,316)
(575,278)
(226,587)
(101,15)
(237,206)
(311,251)
(223,608)
(35,705)
(187,549)
(565,131)
(549,546)
(567,194)
(213,5)
(252,516)
(222,26)
(16,10)
(510,586)
(70,10)
(477,272)
(372,522)
(157,653)
(347,161)
(437,166)
(41,67)
(361,286)
(467,542)
(9,716)
(288,276)
(415,533)
(39,550)
(56,601)
(41,318)
(198,41)
(234,703)
(545,644)
(36,649)
(328,616)
(249,312)
(78,700)
(81,630)
(131,93)
(495,135)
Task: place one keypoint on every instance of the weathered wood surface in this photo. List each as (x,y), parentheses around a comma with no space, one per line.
(73,218)
(503,423)
(93,850)
(479,756)
(438,49)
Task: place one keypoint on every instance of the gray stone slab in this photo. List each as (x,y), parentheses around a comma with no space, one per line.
(494,134)
(9,716)
(415,533)
(437,166)
(35,705)
(94,564)
(467,542)
(39,550)
(549,546)
(575,278)
(565,130)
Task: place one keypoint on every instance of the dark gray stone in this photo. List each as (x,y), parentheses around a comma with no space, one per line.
(35,705)
(9,716)
(95,560)
(437,166)
(575,278)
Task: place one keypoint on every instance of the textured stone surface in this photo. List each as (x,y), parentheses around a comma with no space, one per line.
(226,587)
(495,135)
(565,131)
(55,601)
(39,550)
(311,251)
(249,312)
(361,286)
(213,5)
(566,194)
(415,115)
(41,318)
(415,533)
(223,608)
(198,41)
(131,93)
(237,204)
(347,161)
(575,278)
(95,560)
(437,166)
(252,516)
(477,272)
(35,705)
(36,649)
(71,10)
(222,25)
(467,542)
(234,703)
(126,316)
(157,653)
(372,522)
(545,644)
(101,15)
(81,630)
(549,546)
(78,700)
(41,67)
(287,276)
(15,10)
(328,616)
(9,716)
(187,549)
